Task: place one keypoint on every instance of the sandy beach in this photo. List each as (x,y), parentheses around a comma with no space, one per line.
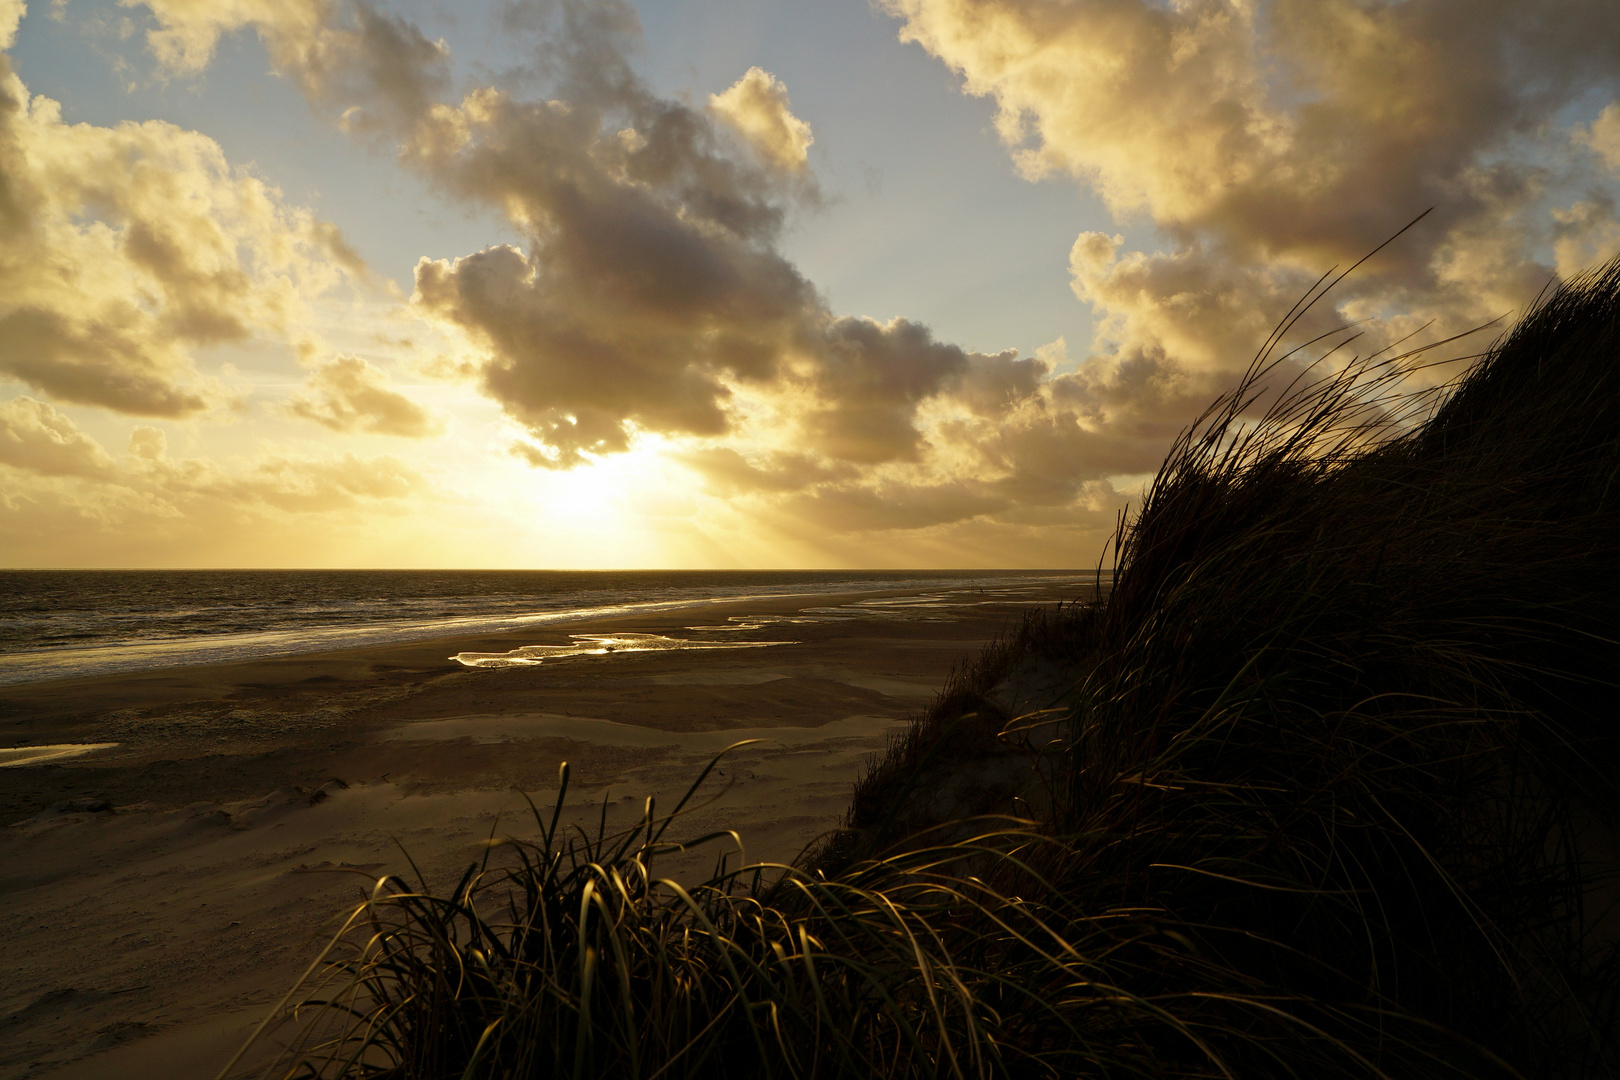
(165,888)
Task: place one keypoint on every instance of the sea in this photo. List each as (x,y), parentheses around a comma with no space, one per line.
(57,624)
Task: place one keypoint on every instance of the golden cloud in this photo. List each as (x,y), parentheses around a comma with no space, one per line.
(1306,125)
(122,249)
(11,13)
(1263,143)
(349,394)
(65,497)
(1602,136)
(1267,143)
(757,106)
(651,298)
(380,70)
(37,438)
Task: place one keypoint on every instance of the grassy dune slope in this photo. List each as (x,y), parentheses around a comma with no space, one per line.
(1327,788)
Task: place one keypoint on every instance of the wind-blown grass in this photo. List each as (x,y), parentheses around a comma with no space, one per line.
(1336,796)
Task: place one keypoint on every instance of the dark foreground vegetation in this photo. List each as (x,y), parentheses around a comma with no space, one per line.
(1328,790)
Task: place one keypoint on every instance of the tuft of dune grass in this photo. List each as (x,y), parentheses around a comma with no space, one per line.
(1333,794)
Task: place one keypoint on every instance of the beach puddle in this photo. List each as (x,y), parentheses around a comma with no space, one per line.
(599,645)
(14,756)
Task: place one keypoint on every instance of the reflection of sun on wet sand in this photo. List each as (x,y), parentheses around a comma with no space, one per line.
(600,645)
(39,755)
(194,859)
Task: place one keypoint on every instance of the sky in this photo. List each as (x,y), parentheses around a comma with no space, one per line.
(728,283)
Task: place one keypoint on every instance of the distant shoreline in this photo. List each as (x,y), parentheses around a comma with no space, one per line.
(26,666)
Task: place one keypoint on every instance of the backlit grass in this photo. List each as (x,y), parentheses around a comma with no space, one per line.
(1333,794)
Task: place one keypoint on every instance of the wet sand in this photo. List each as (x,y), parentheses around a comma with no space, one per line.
(164,891)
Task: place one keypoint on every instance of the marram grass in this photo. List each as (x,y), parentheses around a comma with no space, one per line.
(581,962)
(1335,796)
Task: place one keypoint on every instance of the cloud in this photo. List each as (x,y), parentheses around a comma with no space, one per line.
(757,106)
(729,472)
(614,340)
(122,249)
(1264,144)
(149,444)
(650,298)
(869,382)
(67,501)
(1258,144)
(304,486)
(1602,136)
(35,437)
(202,488)
(891,506)
(1585,232)
(188,30)
(652,294)
(289,512)
(378,70)
(349,394)
(11,13)
(1304,125)
(992,385)
(650,290)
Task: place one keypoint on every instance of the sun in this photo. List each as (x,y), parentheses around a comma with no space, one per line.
(614,511)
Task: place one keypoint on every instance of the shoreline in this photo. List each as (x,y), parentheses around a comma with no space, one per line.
(246,804)
(249,647)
